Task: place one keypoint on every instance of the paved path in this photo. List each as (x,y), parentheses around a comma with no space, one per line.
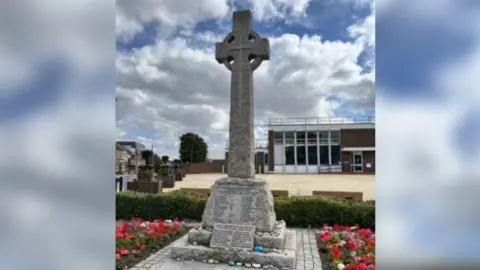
(296,184)
(307,257)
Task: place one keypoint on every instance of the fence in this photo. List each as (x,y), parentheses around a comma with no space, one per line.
(323,120)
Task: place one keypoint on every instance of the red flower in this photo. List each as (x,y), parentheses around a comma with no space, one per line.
(337,227)
(118,235)
(364,233)
(370,244)
(117,256)
(351,245)
(337,254)
(326,236)
(124,251)
(362,266)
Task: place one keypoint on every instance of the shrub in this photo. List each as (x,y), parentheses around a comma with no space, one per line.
(296,211)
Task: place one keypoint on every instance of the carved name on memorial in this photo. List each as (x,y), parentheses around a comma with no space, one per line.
(232,236)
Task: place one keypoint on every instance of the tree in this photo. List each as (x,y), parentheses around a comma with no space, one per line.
(157,161)
(193,148)
(165,159)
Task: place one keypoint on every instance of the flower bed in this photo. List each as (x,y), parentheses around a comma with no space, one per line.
(347,248)
(136,239)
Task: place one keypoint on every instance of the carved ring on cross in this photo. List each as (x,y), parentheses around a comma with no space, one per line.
(257,60)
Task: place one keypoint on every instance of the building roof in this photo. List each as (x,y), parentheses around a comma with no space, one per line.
(120,147)
(132,144)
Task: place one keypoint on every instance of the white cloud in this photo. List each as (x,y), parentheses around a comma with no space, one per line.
(419,161)
(176,86)
(265,10)
(131,16)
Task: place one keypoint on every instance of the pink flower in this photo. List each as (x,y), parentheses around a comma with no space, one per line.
(353,254)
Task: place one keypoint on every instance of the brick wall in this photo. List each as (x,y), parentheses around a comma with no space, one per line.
(358,138)
(260,162)
(271,150)
(205,167)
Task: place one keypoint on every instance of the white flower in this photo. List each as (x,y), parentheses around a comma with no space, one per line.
(341,266)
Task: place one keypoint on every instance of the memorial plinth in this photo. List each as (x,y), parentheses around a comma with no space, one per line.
(239,215)
(240,201)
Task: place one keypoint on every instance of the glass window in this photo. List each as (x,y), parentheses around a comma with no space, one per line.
(312,155)
(312,137)
(300,137)
(278,137)
(289,155)
(301,158)
(335,134)
(289,137)
(324,155)
(335,154)
(323,137)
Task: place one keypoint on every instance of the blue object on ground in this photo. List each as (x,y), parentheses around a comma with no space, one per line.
(258,249)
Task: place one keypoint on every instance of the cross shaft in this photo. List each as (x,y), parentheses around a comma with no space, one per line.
(236,52)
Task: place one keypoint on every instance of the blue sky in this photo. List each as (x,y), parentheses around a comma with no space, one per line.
(426,94)
(323,18)
(293,36)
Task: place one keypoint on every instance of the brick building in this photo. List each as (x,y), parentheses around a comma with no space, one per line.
(321,145)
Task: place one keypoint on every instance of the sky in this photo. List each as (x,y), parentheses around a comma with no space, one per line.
(60,71)
(427,131)
(168,82)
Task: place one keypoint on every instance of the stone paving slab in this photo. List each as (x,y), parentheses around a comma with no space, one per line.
(307,257)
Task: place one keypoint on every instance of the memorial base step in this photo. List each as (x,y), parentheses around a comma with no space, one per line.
(283,258)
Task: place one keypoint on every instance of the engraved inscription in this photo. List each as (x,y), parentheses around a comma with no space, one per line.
(221,207)
(246,213)
(221,238)
(231,236)
(236,204)
(243,239)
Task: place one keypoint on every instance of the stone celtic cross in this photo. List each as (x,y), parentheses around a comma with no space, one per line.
(242,51)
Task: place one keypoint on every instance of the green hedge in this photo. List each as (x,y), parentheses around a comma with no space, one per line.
(301,211)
